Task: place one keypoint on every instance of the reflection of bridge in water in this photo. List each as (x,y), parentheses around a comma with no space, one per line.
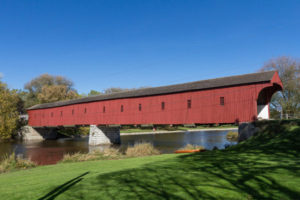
(216,101)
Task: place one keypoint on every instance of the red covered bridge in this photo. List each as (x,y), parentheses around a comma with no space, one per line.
(232,99)
(222,100)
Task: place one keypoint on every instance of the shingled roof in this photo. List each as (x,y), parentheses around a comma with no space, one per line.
(184,87)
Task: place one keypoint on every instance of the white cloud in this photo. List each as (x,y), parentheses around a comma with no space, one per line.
(1,75)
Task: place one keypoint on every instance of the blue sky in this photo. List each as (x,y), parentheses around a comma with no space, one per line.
(100,44)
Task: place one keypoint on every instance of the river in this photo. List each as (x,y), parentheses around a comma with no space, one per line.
(51,151)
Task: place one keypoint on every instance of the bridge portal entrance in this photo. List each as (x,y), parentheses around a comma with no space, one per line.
(263,101)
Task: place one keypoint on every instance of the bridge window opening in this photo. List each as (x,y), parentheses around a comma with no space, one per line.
(103,109)
(84,110)
(73,112)
(163,105)
(122,108)
(52,114)
(222,101)
(140,107)
(61,113)
(189,103)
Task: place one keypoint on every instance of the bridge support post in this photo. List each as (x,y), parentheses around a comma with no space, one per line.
(104,135)
(29,133)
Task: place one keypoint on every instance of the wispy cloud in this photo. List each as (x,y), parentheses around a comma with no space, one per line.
(1,75)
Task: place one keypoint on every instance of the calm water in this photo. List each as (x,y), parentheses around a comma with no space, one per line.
(51,151)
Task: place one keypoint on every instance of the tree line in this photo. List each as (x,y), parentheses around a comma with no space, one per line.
(47,88)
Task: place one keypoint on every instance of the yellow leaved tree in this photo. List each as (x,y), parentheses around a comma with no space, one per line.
(9,114)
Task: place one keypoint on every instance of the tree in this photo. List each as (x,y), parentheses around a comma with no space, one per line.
(54,93)
(36,84)
(94,93)
(289,72)
(22,95)
(115,90)
(48,88)
(9,115)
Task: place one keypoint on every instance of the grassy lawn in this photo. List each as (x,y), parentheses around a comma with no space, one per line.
(135,130)
(264,167)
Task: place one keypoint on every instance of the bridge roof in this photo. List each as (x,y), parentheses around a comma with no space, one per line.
(184,87)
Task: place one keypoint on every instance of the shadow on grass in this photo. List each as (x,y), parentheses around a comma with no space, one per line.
(210,175)
(62,188)
(267,169)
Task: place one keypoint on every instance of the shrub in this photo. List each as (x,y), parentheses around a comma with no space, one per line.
(10,163)
(141,149)
(232,136)
(106,154)
(79,157)
(192,147)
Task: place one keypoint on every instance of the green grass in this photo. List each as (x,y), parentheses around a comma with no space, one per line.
(266,166)
(175,128)
(135,130)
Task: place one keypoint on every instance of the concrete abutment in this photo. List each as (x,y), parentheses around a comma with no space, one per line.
(246,130)
(33,133)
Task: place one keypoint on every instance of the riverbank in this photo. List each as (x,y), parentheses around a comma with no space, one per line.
(266,166)
(177,131)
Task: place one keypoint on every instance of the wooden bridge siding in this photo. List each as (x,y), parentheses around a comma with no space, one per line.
(240,103)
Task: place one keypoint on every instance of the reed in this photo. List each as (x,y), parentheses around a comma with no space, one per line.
(142,149)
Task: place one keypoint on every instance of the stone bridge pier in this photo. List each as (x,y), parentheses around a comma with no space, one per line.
(38,133)
(104,135)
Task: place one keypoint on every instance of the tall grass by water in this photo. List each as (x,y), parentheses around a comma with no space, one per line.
(11,163)
(106,154)
(141,149)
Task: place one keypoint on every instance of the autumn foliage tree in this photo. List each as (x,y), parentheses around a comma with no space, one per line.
(9,114)
(54,93)
(48,88)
